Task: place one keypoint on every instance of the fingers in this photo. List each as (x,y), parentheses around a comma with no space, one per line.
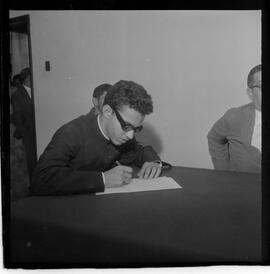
(158,171)
(142,171)
(126,181)
(125,173)
(125,168)
(149,171)
(117,176)
(126,177)
(154,172)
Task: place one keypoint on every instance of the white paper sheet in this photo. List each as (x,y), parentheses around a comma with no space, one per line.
(137,185)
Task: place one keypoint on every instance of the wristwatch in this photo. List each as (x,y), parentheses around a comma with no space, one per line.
(164,165)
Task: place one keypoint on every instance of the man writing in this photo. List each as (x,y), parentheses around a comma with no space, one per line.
(83,154)
(235,139)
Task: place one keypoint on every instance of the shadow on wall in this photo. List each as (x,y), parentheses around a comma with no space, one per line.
(149,136)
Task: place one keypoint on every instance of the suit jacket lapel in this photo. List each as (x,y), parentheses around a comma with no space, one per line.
(25,93)
(248,128)
(247,131)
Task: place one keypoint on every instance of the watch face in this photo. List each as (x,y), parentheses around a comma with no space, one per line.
(166,165)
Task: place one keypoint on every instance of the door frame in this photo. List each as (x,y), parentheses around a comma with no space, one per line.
(22,24)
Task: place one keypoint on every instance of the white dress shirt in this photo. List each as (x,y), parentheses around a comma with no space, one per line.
(28,90)
(257,136)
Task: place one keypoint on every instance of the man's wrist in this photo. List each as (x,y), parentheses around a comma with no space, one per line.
(158,162)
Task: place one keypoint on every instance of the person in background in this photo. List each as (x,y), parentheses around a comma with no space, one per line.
(15,83)
(19,177)
(235,139)
(98,98)
(23,117)
(94,152)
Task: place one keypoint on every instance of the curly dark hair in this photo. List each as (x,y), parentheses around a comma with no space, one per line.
(251,73)
(128,93)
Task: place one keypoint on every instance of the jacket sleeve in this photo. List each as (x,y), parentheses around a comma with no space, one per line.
(218,144)
(134,153)
(53,174)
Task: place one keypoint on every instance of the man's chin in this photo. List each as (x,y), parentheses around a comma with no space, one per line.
(119,142)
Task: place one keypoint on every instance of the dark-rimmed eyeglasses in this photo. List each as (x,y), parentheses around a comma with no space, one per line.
(125,125)
(258,86)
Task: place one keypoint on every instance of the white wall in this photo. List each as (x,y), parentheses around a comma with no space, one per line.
(193,63)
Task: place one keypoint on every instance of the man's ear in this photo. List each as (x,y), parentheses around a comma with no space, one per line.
(95,101)
(107,111)
(250,94)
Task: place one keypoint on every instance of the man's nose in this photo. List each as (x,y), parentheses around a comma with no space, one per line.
(130,134)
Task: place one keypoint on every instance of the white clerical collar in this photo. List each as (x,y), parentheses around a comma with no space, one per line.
(98,119)
(258,114)
(256,136)
(28,90)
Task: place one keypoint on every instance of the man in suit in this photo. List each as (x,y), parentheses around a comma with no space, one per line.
(235,139)
(19,176)
(98,98)
(94,152)
(23,117)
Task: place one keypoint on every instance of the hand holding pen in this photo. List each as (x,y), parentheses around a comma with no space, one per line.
(118,176)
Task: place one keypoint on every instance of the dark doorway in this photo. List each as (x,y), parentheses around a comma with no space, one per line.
(22,114)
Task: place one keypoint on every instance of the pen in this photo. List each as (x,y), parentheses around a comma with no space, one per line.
(118,163)
(127,180)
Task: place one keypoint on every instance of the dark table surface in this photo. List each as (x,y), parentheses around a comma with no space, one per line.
(214,218)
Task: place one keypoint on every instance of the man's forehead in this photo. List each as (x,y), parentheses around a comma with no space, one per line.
(127,109)
(131,115)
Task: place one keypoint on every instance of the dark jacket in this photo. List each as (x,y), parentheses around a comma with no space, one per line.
(23,120)
(77,155)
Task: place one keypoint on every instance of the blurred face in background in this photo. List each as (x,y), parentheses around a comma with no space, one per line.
(98,103)
(255,91)
(27,81)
